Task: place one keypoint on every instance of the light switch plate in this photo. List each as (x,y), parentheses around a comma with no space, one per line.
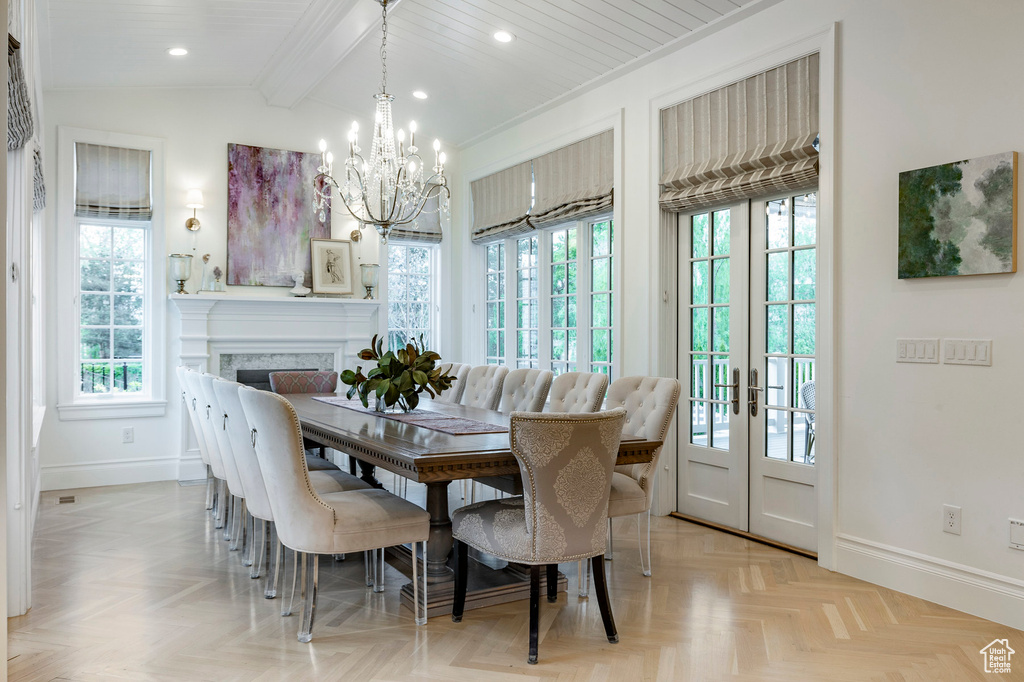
(967,352)
(917,350)
(1016,534)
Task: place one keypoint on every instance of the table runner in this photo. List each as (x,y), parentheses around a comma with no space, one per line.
(435,421)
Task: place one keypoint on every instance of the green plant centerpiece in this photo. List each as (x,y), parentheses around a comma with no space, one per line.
(399,377)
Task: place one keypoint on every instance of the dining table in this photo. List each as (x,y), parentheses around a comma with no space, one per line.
(475,445)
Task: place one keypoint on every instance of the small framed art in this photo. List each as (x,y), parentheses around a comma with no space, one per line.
(332,266)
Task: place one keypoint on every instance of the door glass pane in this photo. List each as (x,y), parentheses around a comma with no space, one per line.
(720,426)
(778,276)
(777,434)
(699,327)
(720,376)
(721,233)
(699,423)
(778,224)
(699,235)
(602,239)
(803,372)
(699,282)
(778,329)
(804,275)
(803,328)
(700,376)
(805,219)
(95,309)
(721,338)
(775,382)
(721,268)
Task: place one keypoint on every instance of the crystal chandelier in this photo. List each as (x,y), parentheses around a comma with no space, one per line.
(391,188)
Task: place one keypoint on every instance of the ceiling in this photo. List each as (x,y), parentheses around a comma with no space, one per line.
(329,50)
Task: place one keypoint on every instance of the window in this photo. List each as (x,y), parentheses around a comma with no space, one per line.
(112,272)
(110,203)
(562,317)
(411,294)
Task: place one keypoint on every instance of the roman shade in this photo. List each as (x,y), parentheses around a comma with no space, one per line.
(112,182)
(426,229)
(574,181)
(751,138)
(501,202)
(20,124)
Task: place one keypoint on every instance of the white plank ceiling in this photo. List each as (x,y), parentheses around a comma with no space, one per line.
(328,50)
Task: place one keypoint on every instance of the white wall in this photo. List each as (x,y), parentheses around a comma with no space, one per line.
(197,126)
(919,82)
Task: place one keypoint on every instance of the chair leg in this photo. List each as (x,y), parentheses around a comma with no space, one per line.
(220,505)
(248,536)
(237,518)
(209,487)
(295,574)
(310,571)
(601,587)
(461,566)
(256,555)
(643,534)
(534,613)
(420,619)
(552,582)
(273,564)
(378,570)
(583,579)
(608,554)
(229,511)
(368,558)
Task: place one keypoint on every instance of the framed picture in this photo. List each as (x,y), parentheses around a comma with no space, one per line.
(959,218)
(332,266)
(270,215)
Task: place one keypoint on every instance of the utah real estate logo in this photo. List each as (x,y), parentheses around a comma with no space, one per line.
(997,656)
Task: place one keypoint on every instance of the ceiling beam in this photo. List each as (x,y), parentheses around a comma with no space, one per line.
(319,42)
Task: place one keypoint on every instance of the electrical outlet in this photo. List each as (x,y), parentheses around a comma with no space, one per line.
(128,434)
(951,519)
(1016,534)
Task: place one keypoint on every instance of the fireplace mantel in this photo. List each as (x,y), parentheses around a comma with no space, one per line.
(211,325)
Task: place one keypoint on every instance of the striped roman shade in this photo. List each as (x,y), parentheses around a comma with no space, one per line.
(112,182)
(747,139)
(20,124)
(574,181)
(501,202)
(426,229)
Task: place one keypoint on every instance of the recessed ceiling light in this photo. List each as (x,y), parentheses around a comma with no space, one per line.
(177,52)
(504,37)
(419,94)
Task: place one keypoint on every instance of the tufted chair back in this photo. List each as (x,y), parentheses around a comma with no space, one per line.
(304,522)
(566,461)
(578,392)
(650,403)
(191,407)
(218,427)
(256,500)
(202,423)
(483,386)
(525,390)
(303,382)
(460,372)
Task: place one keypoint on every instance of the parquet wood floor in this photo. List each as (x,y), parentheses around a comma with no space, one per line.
(132,583)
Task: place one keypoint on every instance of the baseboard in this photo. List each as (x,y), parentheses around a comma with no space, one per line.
(980,593)
(190,467)
(108,472)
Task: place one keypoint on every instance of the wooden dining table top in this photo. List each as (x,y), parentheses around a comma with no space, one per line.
(425,455)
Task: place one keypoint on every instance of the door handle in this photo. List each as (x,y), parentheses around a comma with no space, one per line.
(735,386)
(753,388)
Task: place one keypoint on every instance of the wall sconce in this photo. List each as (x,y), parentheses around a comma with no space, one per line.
(194,200)
(181,269)
(369,273)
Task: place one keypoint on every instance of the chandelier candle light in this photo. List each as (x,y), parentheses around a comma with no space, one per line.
(390,189)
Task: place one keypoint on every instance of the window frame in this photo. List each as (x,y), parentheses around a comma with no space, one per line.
(434,260)
(72,404)
(584,293)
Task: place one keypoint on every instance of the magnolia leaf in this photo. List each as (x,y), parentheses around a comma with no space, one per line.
(413,399)
(420,378)
(383,386)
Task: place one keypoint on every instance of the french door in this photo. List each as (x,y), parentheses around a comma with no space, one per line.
(747,330)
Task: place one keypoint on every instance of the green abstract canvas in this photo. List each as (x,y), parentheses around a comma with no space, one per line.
(959,218)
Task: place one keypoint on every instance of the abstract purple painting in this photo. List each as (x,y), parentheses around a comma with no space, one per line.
(270,215)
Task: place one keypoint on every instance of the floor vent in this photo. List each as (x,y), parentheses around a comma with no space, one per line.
(67,499)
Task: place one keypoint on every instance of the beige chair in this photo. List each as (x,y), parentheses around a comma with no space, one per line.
(188,404)
(213,423)
(483,386)
(454,394)
(525,390)
(257,501)
(650,404)
(331,523)
(200,410)
(577,392)
(566,461)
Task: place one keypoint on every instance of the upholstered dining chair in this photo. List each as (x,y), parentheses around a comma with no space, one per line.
(650,404)
(199,411)
(460,372)
(188,404)
(525,390)
(807,400)
(483,386)
(577,392)
(304,381)
(213,424)
(257,501)
(566,461)
(312,523)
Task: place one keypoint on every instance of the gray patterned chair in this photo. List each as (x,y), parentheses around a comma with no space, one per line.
(578,392)
(566,461)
